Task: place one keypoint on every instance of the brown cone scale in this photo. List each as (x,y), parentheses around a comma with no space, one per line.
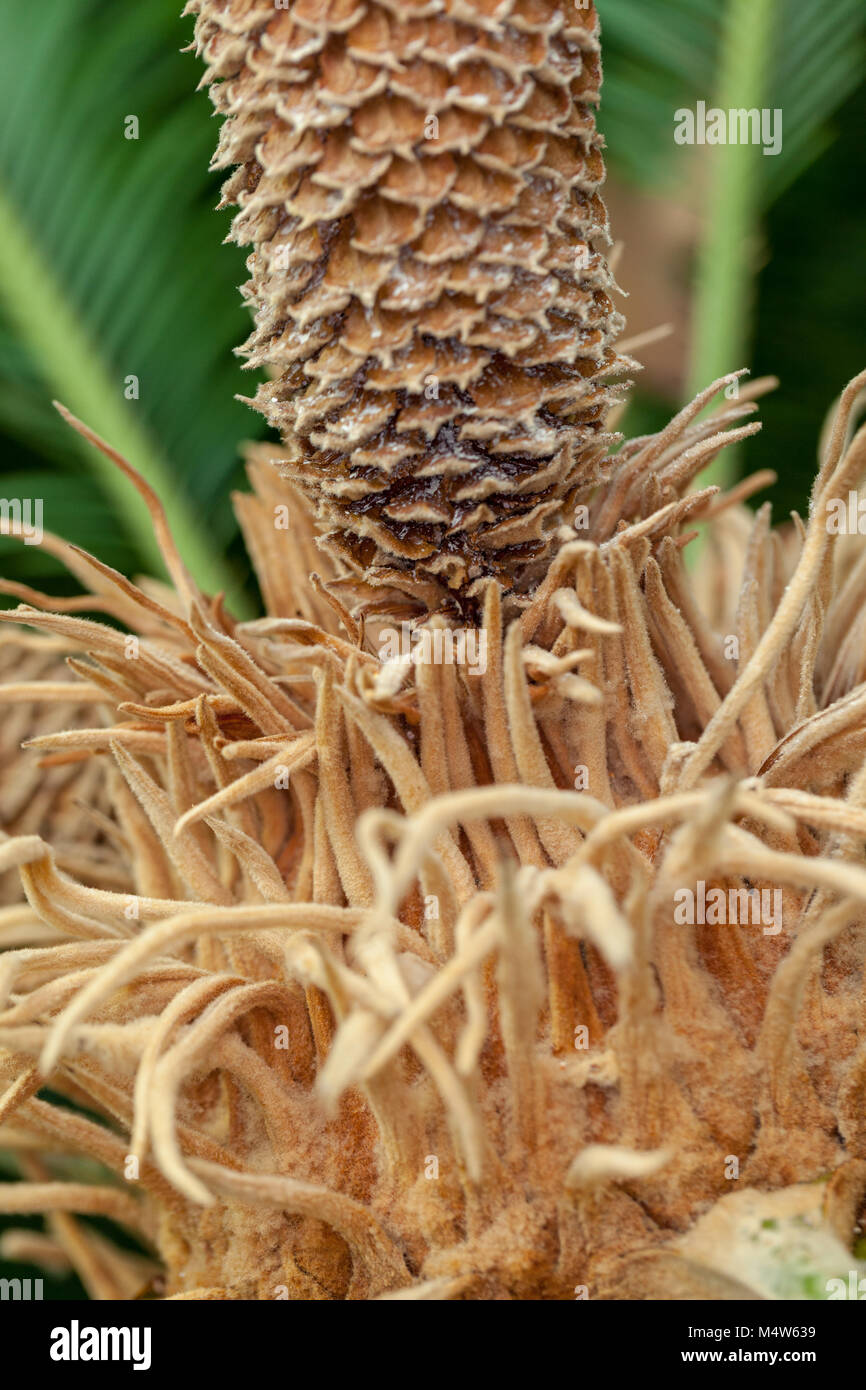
(420,187)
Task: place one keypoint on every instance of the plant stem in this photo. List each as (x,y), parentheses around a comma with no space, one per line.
(725,262)
(70,363)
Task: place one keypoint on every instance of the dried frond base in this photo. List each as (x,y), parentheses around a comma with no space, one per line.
(393,1001)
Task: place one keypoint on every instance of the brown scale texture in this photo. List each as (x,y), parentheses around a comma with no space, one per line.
(420,183)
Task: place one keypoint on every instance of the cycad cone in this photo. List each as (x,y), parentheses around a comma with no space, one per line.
(372,966)
(419,184)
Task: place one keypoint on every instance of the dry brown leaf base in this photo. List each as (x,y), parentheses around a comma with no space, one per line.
(369,997)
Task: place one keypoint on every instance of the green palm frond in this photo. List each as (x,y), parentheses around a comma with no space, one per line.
(804,57)
(656,58)
(818,60)
(111,267)
(659,57)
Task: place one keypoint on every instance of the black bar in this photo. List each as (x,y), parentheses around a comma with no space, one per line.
(259,1339)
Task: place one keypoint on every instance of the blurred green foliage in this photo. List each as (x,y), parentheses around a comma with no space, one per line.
(125,233)
(660,55)
(811,322)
